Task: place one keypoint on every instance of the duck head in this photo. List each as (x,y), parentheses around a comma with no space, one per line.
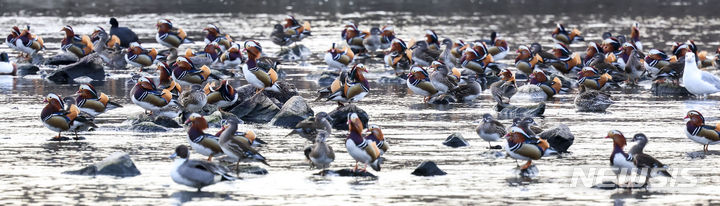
(212,30)
(356,72)
(15,31)
(593,48)
(253,49)
(617,137)
(679,49)
(418,72)
(431,37)
(588,72)
(560,50)
(182,152)
(695,118)
(501,43)
(235,48)
(627,48)
(375,130)
(635,31)
(197,121)
(164,25)
(97,33)
(290,21)
(354,123)
(487,117)
(184,63)
(69,32)
(87,91)
(523,52)
(146,83)
(507,75)
(656,54)
(54,100)
(610,44)
(212,48)
(559,29)
(398,45)
(135,48)
(639,137)
(538,76)
(387,30)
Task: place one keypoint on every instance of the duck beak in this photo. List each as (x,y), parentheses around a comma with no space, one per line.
(173,156)
(187,121)
(607,136)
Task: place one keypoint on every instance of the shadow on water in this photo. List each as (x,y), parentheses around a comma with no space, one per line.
(187,196)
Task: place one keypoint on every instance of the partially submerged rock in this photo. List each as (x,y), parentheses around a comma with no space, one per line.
(668,89)
(340,116)
(346,173)
(254,108)
(27,69)
(508,111)
(59,59)
(442,99)
(298,52)
(159,120)
(145,127)
(293,111)
(428,168)
(117,164)
(89,66)
(455,140)
(560,138)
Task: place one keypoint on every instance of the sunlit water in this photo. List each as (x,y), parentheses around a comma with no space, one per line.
(32,166)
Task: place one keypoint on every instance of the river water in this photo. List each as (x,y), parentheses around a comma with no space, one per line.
(32,167)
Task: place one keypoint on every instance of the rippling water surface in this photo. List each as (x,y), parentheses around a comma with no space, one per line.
(31,166)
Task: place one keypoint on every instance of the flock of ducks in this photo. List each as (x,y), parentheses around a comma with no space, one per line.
(459,69)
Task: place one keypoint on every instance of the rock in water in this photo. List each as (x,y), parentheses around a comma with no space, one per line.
(60,59)
(258,109)
(166,121)
(593,101)
(669,89)
(340,116)
(529,93)
(346,173)
(428,168)
(442,99)
(508,111)
(117,164)
(89,66)
(293,111)
(560,138)
(145,127)
(455,140)
(295,53)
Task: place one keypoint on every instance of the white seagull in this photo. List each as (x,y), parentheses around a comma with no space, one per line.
(699,83)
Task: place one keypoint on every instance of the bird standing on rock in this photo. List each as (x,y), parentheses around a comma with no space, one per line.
(255,75)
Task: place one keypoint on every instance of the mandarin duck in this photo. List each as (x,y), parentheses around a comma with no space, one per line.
(354,37)
(468,89)
(540,79)
(146,95)
(505,88)
(567,60)
(237,149)
(592,50)
(635,35)
(294,30)
(79,125)
(279,37)
(139,56)
(561,34)
(421,54)
(699,83)
(59,118)
(353,89)
(646,164)
(196,173)
(419,83)
(399,57)
(453,52)
(185,72)
(126,35)
(28,43)
(12,38)
(311,126)
(590,79)
(166,80)
(621,162)
(320,154)
(387,36)
(490,129)
(7,67)
(80,45)
(233,57)
(476,59)
(248,137)
(526,60)
(499,49)
(192,100)
(222,95)
(375,134)
(259,77)
(339,57)
(593,101)
(371,42)
(93,102)
(169,35)
(223,41)
(698,131)
(613,49)
(523,144)
(201,142)
(634,69)
(361,149)
(102,41)
(208,56)
(442,77)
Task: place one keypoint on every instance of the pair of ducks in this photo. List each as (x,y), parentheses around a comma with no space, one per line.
(201,173)
(443,80)
(521,142)
(636,159)
(77,114)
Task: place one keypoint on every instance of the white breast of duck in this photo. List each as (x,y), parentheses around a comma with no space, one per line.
(356,152)
(622,164)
